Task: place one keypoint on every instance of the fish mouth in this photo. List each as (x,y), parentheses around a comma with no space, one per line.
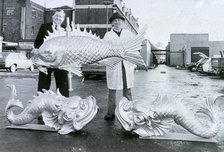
(44,60)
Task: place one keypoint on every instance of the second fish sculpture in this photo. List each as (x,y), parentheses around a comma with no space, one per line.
(156,119)
(63,114)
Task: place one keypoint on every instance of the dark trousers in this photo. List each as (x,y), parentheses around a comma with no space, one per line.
(61,78)
(112,93)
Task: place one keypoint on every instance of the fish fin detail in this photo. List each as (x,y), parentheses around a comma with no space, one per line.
(154,128)
(13,102)
(51,120)
(110,62)
(75,31)
(43,69)
(73,68)
(131,50)
(135,59)
(66,129)
(210,107)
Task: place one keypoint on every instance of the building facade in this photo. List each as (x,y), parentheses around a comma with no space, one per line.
(183,47)
(20,19)
(95,15)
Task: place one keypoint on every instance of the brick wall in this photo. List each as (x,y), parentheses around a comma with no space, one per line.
(34,19)
(11,19)
(36,15)
(12,23)
(1,15)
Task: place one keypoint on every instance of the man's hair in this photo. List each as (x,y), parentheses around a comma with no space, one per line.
(59,10)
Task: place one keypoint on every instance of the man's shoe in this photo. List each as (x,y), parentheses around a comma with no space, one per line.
(109,117)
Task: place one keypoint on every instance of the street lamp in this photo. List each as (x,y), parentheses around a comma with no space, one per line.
(107,3)
(73,11)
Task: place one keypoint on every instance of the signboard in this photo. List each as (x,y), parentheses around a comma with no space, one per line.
(10,10)
(26,45)
(5,43)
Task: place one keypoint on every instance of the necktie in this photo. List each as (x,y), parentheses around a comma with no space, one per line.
(56,27)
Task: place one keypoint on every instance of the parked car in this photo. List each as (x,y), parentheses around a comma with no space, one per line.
(14,61)
(94,69)
(195,66)
(218,66)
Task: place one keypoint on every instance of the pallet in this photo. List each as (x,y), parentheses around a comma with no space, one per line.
(181,137)
(168,136)
(32,127)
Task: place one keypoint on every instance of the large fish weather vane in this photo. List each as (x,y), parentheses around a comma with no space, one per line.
(70,49)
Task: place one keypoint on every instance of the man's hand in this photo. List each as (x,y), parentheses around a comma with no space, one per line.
(34,53)
(48,56)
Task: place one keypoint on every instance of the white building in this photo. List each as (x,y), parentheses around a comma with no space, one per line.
(183,46)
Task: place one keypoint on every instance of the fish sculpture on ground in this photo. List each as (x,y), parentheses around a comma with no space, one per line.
(63,114)
(69,50)
(156,119)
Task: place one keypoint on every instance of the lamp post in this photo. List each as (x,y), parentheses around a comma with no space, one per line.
(2,18)
(73,11)
(107,3)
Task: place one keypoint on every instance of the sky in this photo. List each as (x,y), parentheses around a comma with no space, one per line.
(164,17)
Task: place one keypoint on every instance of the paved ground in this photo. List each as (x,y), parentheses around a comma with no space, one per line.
(102,136)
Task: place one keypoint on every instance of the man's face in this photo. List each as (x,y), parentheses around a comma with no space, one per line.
(58,18)
(117,23)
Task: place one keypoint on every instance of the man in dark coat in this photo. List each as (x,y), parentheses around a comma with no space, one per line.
(61,76)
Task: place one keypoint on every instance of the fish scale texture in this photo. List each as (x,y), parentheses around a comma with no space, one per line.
(186,119)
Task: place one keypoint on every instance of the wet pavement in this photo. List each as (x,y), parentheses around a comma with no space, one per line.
(100,135)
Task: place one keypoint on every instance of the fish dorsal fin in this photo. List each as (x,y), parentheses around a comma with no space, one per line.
(75,31)
(54,34)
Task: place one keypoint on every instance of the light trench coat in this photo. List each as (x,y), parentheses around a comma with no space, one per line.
(114,76)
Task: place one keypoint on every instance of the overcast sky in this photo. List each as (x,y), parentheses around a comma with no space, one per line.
(164,17)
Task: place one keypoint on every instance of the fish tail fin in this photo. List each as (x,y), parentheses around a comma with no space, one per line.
(131,50)
(218,105)
(12,101)
(210,109)
(210,106)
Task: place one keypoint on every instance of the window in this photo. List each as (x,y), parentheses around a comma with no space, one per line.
(32,30)
(22,57)
(34,13)
(37,12)
(40,15)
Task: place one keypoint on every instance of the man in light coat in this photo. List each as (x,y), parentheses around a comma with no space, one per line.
(122,75)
